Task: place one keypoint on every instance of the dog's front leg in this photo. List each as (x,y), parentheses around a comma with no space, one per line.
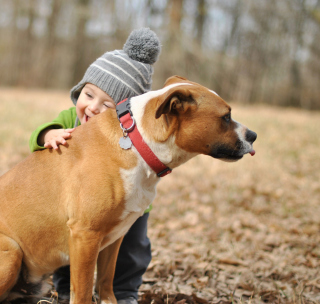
(84,248)
(106,266)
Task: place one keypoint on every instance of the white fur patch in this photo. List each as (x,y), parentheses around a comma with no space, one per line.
(104,302)
(167,151)
(65,259)
(140,188)
(241,130)
(140,182)
(214,92)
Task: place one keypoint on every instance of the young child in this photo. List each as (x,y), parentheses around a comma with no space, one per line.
(111,78)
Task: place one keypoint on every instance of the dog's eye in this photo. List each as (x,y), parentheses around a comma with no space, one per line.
(227,117)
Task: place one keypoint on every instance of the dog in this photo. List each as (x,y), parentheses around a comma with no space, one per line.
(72,207)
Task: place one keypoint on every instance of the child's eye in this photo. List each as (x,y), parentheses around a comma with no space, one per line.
(109,105)
(89,95)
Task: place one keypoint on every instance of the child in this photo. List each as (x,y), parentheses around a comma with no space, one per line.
(111,78)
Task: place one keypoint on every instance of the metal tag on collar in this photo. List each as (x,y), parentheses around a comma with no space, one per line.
(125,142)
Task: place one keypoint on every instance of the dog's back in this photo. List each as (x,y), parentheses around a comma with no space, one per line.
(40,195)
(69,207)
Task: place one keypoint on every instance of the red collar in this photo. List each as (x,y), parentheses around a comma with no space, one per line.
(129,128)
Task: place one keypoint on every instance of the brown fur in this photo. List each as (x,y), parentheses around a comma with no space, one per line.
(48,199)
(71,204)
(191,114)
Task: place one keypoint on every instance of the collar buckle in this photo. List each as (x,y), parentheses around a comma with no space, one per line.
(123,108)
(164,172)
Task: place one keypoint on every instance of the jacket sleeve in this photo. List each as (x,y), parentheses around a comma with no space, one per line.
(65,120)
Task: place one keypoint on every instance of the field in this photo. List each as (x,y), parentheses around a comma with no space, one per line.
(245,232)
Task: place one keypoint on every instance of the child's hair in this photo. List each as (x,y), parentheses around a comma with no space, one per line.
(124,73)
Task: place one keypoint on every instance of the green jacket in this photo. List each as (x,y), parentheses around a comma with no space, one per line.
(65,120)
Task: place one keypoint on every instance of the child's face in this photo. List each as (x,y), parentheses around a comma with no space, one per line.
(92,101)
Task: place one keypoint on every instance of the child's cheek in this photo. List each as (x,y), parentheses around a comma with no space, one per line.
(80,112)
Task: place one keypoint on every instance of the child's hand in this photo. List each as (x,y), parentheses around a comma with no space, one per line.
(54,137)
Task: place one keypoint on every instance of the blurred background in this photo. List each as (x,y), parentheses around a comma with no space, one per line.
(253,51)
(244,232)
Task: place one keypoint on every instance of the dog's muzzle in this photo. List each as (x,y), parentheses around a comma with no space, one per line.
(251,136)
(235,152)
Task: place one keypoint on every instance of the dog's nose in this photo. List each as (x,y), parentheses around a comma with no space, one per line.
(251,136)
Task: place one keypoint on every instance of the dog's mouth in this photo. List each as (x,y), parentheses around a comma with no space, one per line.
(225,152)
(229,157)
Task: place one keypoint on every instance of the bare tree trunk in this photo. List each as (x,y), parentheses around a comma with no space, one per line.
(296,75)
(229,78)
(201,19)
(51,45)
(79,63)
(172,45)
(175,13)
(15,51)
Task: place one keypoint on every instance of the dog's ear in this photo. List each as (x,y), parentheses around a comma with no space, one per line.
(175,79)
(176,101)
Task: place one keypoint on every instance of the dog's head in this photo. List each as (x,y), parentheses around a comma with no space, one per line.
(201,121)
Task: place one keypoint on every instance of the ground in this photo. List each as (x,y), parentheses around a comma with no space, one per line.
(245,232)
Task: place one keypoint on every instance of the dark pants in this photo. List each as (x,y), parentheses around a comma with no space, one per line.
(133,260)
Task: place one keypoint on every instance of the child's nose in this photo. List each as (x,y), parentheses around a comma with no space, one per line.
(94,108)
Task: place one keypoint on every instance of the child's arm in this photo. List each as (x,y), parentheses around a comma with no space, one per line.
(51,135)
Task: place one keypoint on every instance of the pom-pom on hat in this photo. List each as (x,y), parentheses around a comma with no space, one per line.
(124,73)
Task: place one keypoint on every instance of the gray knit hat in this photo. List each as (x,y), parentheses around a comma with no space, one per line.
(124,73)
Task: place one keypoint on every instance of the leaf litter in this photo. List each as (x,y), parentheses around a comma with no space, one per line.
(245,232)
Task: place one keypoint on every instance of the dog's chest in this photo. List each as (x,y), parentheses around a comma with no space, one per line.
(140,188)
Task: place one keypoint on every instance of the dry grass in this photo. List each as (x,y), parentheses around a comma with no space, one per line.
(22,112)
(245,232)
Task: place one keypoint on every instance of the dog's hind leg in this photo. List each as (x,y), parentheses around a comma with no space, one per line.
(10,264)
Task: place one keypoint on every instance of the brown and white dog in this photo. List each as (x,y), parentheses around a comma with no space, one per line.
(73,207)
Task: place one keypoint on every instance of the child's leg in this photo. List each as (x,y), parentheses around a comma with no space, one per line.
(133,260)
(61,281)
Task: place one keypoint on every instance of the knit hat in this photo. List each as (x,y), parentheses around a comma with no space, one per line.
(124,73)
